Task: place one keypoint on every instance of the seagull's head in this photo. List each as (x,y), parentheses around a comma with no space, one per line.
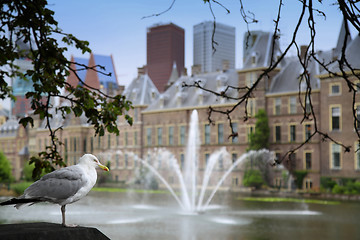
(91,160)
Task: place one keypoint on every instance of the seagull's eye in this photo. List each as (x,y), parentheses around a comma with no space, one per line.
(95,160)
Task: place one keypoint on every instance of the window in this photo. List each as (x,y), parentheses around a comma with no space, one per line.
(292,133)
(308,159)
(117,165)
(307,131)
(148,136)
(357,83)
(75,147)
(207,156)
(357,155)
(235,181)
(251,107)
(250,129)
(335,156)
(358,117)
(308,184)
(66,150)
(292,163)
(292,105)
(85,144)
(135,115)
(335,89)
(278,133)
(307,104)
(126,137)
(335,118)
(277,109)
(159,136)
(234,157)
(278,182)
(171,135)
(135,138)
(253,60)
(126,161)
(277,159)
(250,79)
(182,135)
(221,162)
(234,139)
(207,134)
(220,133)
(182,161)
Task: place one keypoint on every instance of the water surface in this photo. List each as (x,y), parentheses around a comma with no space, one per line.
(157,216)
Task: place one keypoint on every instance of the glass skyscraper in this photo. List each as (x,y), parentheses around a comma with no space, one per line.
(204,56)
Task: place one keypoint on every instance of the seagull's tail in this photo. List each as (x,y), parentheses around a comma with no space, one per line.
(18,202)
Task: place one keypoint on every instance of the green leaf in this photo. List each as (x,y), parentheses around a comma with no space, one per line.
(26,120)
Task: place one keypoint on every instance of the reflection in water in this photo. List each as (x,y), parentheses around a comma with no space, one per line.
(120,217)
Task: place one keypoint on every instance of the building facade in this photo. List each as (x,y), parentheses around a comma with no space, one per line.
(205,57)
(165,46)
(162,119)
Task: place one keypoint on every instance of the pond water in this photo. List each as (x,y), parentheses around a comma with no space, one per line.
(157,216)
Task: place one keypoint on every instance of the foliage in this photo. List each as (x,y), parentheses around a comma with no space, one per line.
(259,139)
(296,200)
(253,178)
(125,190)
(262,163)
(299,178)
(5,169)
(349,187)
(152,184)
(145,178)
(28,172)
(33,24)
(327,183)
(19,188)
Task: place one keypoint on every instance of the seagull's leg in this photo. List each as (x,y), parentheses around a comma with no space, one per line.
(63,217)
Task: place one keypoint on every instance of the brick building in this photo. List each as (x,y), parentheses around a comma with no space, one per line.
(14,144)
(161,120)
(165,46)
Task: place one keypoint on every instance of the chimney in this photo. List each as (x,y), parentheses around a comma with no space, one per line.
(196,69)
(141,70)
(225,65)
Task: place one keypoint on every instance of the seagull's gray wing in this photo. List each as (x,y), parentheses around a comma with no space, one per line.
(58,185)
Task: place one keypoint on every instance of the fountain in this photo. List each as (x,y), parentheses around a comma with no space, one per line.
(128,217)
(192,199)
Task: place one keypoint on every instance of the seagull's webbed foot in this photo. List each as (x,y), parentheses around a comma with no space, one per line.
(69,225)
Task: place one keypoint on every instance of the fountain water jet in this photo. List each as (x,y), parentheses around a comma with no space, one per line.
(188,178)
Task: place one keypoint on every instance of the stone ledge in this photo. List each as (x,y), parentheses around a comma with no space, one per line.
(52,231)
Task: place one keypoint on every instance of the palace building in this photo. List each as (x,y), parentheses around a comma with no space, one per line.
(161,118)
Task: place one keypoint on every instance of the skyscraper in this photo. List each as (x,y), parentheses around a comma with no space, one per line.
(224,56)
(165,46)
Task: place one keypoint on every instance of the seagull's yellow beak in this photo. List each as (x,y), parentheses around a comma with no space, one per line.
(103,167)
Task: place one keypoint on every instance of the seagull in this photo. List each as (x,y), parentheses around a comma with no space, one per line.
(63,186)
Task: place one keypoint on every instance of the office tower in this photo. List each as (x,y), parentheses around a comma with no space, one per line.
(165,46)
(205,59)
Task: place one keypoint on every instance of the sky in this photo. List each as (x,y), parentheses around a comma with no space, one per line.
(118,28)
